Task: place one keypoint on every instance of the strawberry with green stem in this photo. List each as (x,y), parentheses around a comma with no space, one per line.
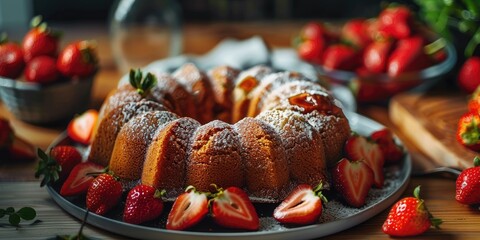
(409,217)
(468,184)
(58,164)
(188,209)
(104,193)
(144,203)
(78,59)
(302,206)
(468,131)
(40,40)
(232,208)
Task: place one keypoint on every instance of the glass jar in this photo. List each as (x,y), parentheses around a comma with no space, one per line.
(143,31)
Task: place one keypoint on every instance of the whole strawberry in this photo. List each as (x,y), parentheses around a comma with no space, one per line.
(58,164)
(341,57)
(469,75)
(355,32)
(103,194)
(78,59)
(311,50)
(144,203)
(468,185)
(409,217)
(11,59)
(396,22)
(40,40)
(67,156)
(468,131)
(41,69)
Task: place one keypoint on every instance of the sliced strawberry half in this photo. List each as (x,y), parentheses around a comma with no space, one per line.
(353,180)
(303,206)
(233,209)
(392,152)
(80,179)
(188,209)
(358,147)
(80,129)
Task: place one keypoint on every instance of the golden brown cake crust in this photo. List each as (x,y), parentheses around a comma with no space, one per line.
(133,140)
(180,100)
(165,161)
(215,157)
(109,127)
(244,85)
(328,119)
(222,80)
(266,165)
(196,83)
(269,84)
(303,144)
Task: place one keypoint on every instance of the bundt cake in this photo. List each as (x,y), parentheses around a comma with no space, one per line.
(133,141)
(263,131)
(166,158)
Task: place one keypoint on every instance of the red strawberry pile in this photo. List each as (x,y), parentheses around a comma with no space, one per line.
(391,44)
(39,60)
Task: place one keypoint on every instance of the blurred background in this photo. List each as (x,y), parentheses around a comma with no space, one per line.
(173,23)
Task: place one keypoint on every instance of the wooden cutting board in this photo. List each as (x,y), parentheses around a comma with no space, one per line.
(429,121)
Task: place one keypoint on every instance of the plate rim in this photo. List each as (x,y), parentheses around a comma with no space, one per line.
(307,232)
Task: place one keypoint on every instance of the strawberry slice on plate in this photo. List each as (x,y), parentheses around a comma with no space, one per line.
(303,206)
(392,152)
(233,209)
(188,209)
(353,180)
(80,179)
(144,203)
(80,129)
(358,147)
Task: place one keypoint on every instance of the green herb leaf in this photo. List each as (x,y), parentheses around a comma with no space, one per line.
(9,210)
(27,213)
(2,213)
(14,220)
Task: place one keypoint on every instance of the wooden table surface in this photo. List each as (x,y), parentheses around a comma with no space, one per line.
(19,188)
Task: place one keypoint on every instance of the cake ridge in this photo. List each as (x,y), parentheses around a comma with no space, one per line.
(230,128)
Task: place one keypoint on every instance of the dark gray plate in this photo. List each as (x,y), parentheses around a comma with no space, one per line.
(335,218)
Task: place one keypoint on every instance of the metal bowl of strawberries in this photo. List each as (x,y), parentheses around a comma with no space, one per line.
(377,57)
(40,84)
